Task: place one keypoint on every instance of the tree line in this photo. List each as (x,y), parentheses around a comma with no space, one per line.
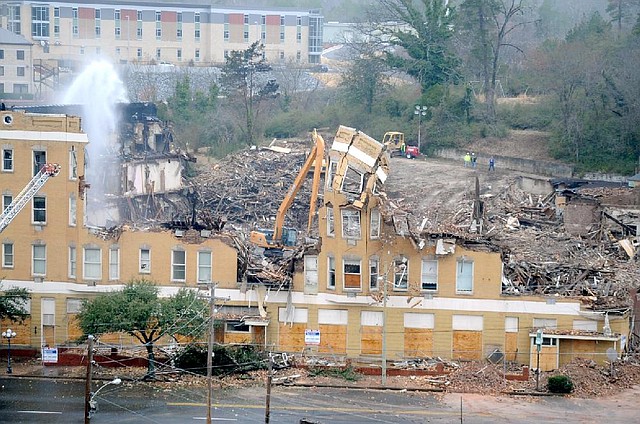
(457,58)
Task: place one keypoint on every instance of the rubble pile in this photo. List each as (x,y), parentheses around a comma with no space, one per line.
(541,257)
(248,189)
(592,380)
(474,377)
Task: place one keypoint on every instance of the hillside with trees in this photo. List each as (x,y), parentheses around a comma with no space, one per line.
(573,63)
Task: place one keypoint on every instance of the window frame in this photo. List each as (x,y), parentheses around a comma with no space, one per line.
(177,267)
(355,270)
(331,272)
(146,269)
(42,210)
(73,210)
(375,216)
(425,274)
(42,259)
(374,277)
(331,222)
(460,263)
(72,268)
(348,181)
(202,266)
(5,255)
(114,266)
(347,218)
(86,265)
(401,273)
(9,160)
(7,200)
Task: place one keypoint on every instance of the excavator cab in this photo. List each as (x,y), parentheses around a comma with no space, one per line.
(264,237)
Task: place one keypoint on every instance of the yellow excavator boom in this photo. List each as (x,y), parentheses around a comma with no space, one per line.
(314,159)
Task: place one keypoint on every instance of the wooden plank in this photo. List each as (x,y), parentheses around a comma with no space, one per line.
(371,340)
(511,346)
(418,342)
(333,339)
(351,281)
(467,345)
(291,337)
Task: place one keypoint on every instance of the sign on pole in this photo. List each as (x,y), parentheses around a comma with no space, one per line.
(312,337)
(539,340)
(50,355)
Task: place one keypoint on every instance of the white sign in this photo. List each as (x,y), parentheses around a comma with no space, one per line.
(50,355)
(312,337)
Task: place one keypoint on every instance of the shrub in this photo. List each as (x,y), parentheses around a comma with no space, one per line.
(560,384)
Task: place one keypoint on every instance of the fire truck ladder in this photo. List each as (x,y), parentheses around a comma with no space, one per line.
(48,170)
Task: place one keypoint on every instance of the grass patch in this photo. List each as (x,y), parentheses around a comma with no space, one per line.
(347,373)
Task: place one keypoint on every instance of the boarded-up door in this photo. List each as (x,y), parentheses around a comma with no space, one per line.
(511,326)
(48,322)
(548,355)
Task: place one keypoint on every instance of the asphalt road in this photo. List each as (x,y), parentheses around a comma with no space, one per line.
(33,401)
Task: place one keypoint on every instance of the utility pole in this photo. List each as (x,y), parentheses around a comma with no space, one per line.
(267,410)
(384,327)
(87,386)
(212,298)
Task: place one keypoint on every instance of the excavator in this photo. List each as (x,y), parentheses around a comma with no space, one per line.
(48,170)
(275,240)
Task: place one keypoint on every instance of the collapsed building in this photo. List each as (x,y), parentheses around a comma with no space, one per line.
(377,278)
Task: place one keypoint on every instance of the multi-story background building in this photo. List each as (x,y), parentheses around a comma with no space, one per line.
(15,65)
(65,34)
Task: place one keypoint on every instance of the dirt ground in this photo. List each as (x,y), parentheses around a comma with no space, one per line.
(590,379)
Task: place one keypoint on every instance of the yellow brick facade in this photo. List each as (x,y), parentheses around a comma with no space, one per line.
(67,272)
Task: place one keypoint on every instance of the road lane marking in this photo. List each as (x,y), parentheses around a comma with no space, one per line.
(39,412)
(215,419)
(425,411)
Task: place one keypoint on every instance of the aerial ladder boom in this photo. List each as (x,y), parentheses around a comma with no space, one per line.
(275,238)
(48,170)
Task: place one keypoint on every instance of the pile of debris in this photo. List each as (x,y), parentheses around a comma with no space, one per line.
(247,191)
(540,253)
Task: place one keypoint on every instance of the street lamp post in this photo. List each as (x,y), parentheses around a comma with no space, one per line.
(420,111)
(9,334)
(93,404)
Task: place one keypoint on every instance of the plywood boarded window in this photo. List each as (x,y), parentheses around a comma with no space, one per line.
(291,329)
(418,334)
(331,226)
(467,337)
(352,181)
(464,276)
(429,275)
(374,227)
(401,273)
(371,332)
(511,325)
(352,273)
(350,224)
(333,330)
